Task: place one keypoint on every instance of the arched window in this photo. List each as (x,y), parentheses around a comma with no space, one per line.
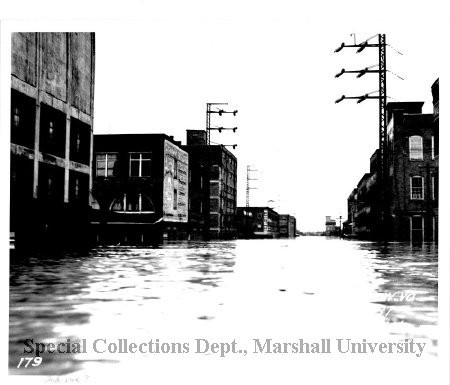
(415,147)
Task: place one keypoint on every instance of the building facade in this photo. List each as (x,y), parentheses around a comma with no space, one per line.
(413,173)
(214,187)
(287,226)
(330,226)
(366,202)
(52,107)
(141,188)
(257,222)
(412,183)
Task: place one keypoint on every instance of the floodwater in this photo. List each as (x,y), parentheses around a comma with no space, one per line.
(309,288)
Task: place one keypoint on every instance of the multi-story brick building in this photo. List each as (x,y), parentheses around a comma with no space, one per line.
(413,172)
(366,202)
(257,222)
(287,225)
(412,183)
(141,188)
(52,105)
(213,181)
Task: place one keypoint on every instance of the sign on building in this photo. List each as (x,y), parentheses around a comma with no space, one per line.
(175,185)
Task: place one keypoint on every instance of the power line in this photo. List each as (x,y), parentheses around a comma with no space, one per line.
(220,112)
(382,98)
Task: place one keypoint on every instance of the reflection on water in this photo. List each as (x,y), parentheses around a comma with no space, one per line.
(247,288)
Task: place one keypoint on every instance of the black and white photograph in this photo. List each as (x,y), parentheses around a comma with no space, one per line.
(224,193)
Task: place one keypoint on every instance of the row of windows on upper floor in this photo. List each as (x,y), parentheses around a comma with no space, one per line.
(139,164)
(417,188)
(52,129)
(416,147)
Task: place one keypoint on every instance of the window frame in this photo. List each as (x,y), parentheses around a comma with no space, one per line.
(413,150)
(433,187)
(432,148)
(412,197)
(140,160)
(125,202)
(411,229)
(106,164)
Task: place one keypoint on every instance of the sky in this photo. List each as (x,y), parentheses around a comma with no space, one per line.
(309,152)
(157,69)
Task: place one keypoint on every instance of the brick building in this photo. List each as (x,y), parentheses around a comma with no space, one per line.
(349,224)
(412,184)
(365,202)
(141,188)
(52,103)
(257,222)
(287,226)
(213,191)
(330,226)
(413,172)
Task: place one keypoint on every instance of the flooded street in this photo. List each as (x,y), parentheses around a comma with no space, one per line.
(309,288)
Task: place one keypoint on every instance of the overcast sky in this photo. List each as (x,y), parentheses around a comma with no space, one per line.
(275,65)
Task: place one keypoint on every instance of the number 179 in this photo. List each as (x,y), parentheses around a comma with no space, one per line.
(35,361)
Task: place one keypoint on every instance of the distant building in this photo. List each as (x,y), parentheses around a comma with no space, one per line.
(257,222)
(141,188)
(330,226)
(287,226)
(366,202)
(349,224)
(213,191)
(52,105)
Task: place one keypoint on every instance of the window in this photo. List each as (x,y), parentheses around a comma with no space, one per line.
(417,228)
(118,204)
(432,147)
(78,142)
(23,121)
(51,131)
(105,164)
(175,168)
(50,186)
(175,198)
(415,148)
(140,164)
(77,188)
(416,187)
(133,202)
(16,117)
(433,187)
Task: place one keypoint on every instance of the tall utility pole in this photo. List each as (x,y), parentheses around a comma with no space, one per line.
(220,112)
(247,196)
(382,128)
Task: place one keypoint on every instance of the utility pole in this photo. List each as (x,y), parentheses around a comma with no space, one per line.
(382,97)
(247,197)
(220,112)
